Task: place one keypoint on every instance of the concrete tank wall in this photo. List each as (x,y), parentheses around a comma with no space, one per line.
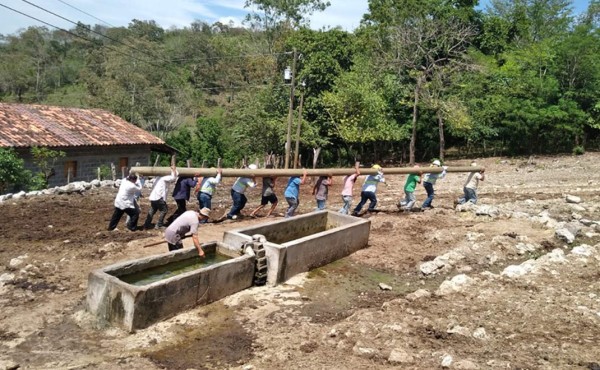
(135,307)
(301,243)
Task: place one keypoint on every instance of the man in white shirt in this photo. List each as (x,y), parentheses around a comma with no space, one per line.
(158,198)
(125,203)
(470,187)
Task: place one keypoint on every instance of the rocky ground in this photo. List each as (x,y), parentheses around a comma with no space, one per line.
(513,283)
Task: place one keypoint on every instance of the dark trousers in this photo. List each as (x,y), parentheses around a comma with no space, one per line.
(239,202)
(174,247)
(430,194)
(133,213)
(181,207)
(364,196)
(156,205)
(204,200)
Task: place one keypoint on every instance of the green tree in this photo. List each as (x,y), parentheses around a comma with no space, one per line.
(12,171)
(274,17)
(45,159)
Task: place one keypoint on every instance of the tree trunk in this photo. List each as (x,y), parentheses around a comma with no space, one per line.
(442,140)
(316,152)
(413,137)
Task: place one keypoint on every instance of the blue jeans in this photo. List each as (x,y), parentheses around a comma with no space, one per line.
(293,205)
(409,200)
(347,204)
(364,196)
(430,194)
(321,204)
(239,202)
(204,200)
(470,196)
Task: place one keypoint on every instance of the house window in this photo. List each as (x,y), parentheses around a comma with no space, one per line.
(123,162)
(71,169)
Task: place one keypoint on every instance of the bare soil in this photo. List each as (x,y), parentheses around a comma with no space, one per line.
(334,317)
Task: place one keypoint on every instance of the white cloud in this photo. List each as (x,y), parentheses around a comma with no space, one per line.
(175,13)
(344,13)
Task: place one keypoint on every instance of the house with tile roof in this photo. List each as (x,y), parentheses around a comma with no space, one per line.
(90,138)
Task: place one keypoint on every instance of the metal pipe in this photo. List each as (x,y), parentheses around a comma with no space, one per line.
(234,172)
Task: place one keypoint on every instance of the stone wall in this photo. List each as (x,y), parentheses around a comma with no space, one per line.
(89,159)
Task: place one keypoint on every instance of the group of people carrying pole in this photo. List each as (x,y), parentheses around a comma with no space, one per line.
(182,222)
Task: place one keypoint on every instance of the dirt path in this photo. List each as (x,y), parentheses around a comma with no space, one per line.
(472,312)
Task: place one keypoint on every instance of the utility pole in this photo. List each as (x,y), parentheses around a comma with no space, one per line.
(288,142)
(296,152)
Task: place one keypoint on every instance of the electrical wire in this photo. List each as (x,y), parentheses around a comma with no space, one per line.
(91,30)
(67,4)
(76,35)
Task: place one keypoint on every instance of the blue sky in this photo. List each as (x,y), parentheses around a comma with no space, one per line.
(174,13)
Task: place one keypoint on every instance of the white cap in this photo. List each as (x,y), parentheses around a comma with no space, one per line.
(437,163)
(252,166)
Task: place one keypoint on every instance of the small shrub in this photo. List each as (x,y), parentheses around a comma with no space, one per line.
(578,150)
(13,175)
(105,172)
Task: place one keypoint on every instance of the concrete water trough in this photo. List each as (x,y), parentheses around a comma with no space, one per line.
(135,294)
(302,243)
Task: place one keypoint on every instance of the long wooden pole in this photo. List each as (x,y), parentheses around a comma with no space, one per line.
(234,172)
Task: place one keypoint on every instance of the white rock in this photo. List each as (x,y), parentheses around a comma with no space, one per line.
(576,216)
(584,250)
(529,201)
(573,199)
(515,271)
(486,210)
(565,235)
(420,293)
(577,208)
(8,364)
(586,222)
(465,365)
(556,256)
(465,207)
(480,333)
(383,286)
(519,215)
(474,236)
(489,275)
(8,196)
(430,267)
(447,361)
(107,183)
(460,330)
(400,356)
(19,195)
(95,183)
(118,183)
(364,351)
(454,285)
(523,248)
(6,277)
(248,367)
(17,261)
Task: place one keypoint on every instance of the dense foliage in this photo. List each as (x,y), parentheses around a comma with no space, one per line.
(12,171)
(418,79)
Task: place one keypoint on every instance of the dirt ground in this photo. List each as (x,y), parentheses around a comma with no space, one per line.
(506,292)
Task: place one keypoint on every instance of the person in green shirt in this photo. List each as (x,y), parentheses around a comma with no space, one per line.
(409,190)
